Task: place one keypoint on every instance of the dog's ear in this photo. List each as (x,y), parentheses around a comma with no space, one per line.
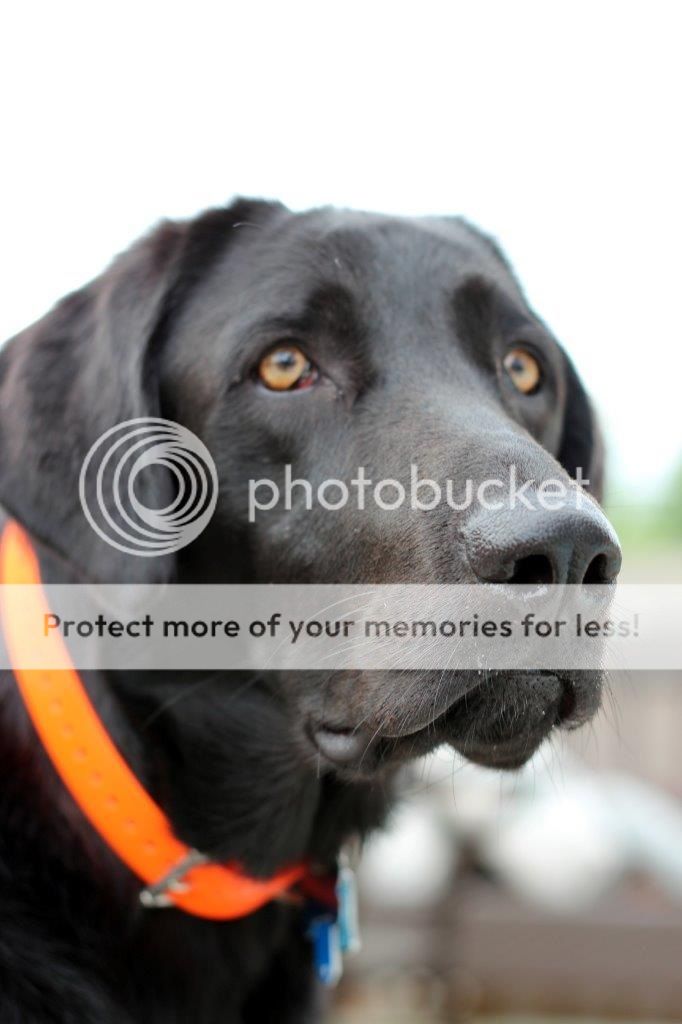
(89,365)
(582,446)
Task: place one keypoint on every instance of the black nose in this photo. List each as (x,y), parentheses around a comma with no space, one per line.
(567,545)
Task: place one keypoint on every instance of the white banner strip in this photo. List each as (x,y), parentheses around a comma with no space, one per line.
(358,627)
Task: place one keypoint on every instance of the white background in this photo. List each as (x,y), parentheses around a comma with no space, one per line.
(554,125)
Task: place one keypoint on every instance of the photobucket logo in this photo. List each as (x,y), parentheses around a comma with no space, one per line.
(111,483)
(421,493)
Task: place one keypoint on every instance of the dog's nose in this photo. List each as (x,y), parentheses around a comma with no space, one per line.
(567,545)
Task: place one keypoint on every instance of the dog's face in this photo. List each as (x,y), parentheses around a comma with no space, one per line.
(328,342)
(333,341)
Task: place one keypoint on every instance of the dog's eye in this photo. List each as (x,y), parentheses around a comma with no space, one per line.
(286,368)
(524,370)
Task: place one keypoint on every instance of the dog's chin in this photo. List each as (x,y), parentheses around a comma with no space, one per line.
(499,723)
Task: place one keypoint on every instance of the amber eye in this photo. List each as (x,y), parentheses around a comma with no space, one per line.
(524,370)
(286,368)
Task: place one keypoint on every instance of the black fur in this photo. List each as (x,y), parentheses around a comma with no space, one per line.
(407,321)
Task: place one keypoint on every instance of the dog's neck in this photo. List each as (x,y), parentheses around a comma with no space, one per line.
(264,812)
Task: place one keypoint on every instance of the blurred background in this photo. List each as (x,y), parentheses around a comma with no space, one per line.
(557,893)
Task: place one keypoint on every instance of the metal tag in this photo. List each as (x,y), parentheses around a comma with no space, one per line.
(347,918)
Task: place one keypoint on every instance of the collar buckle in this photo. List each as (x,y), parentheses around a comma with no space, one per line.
(157,896)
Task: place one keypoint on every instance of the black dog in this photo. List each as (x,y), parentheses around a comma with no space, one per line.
(328,340)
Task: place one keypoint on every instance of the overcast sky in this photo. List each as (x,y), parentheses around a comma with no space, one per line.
(555,126)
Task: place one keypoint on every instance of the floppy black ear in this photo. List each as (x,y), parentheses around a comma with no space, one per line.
(582,447)
(88,365)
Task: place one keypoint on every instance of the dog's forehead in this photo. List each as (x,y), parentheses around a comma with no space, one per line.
(358,235)
(368,255)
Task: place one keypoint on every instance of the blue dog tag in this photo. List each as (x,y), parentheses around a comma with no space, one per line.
(324,933)
(331,916)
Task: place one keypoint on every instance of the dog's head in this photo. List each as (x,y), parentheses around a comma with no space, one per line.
(325,342)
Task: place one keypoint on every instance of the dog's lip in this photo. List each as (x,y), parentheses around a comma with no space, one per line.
(509,754)
(512,752)
(346,735)
(358,747)
(341,745)
(345,743)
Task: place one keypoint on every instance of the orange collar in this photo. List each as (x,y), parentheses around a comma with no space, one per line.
(98,778)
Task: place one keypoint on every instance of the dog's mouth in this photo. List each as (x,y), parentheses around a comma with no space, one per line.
(499,722)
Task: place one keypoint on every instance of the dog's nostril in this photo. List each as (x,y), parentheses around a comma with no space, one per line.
(600,570)
(533,569)
(566,546)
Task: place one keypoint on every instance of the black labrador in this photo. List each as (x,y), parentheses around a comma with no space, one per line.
(325,341)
